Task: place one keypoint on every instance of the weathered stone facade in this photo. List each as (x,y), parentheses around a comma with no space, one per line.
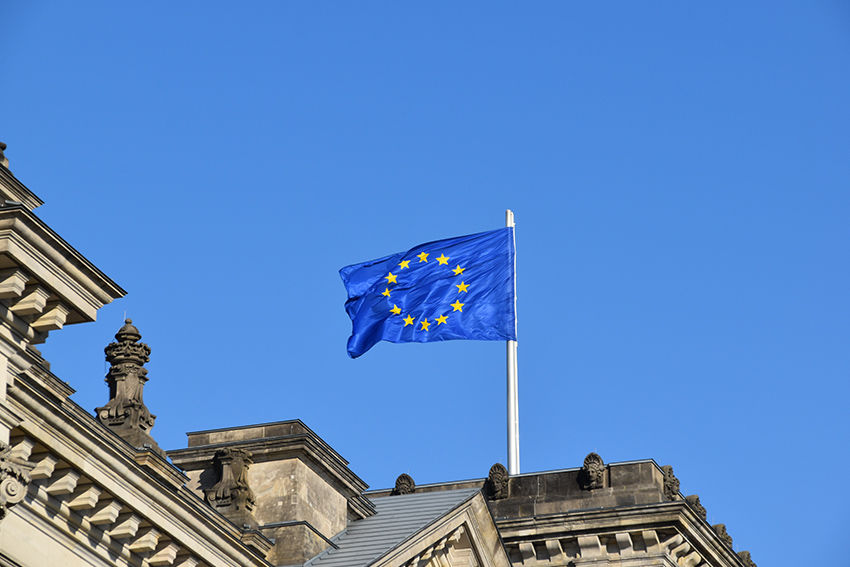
(80,489)
(73,491)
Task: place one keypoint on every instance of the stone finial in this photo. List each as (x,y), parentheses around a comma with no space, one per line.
(693,502)
(231,495)
(14,477)
(671,483)
(4,161)
(125,413)
(744,556)
(497,482)
(720,530)
(592,474)
(404,484)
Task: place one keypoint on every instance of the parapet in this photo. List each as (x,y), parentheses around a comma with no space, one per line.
(628,513)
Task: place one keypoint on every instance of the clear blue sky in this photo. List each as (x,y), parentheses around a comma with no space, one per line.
(681,182)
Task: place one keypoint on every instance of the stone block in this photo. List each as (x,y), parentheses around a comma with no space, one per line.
(294,544)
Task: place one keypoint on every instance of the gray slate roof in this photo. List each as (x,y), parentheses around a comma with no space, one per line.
(396,520)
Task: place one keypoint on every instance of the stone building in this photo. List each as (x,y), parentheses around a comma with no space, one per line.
(78,488)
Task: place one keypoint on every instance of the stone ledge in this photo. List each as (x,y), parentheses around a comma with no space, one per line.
(161,467)
(87,446)
(676,516)
(13,190)
(51,262)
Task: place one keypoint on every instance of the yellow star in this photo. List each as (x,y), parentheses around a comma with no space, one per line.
(423,257)
(408,320)
(458,271)
(443,259)
(391,278)
(440,320)
(386,292)
(396,310)
(460,288)
(458,306)
(404,264)
(425,325)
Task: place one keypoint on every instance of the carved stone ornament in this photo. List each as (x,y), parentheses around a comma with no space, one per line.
(693,501)
(671,483)
(592,474)
(497,482)
(125,412)
(4,161)
(231,495)
(404,484)
(14,478)
(744,556)
(720,530)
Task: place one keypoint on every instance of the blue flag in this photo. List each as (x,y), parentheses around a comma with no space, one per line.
(458,288)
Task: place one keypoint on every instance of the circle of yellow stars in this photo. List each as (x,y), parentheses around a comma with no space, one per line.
(442,319)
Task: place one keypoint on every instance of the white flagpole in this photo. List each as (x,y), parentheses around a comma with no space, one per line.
(513,393)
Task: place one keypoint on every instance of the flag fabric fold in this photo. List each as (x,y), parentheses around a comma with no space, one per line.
(458,288)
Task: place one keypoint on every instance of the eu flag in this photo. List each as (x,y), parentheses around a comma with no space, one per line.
(458,288)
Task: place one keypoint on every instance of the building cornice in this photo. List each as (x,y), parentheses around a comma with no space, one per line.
(145,487)
(49,262)
(680,530)
(13,190)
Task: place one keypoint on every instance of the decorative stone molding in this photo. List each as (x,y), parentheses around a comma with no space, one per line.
(231,495)
(746,559)
(693,502)
(126,413)
(12,283)
(56,273)
(720,530)
(592,474)
(404,484)
(497,482)
(633,547)
(14,478)
(452,550)
(57,490)
(671,483)
(11,189)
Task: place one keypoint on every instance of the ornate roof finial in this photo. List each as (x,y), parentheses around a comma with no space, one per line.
(592,474)
(671,483)
(231,495)
(404,484)
(128,332)
(126,413)
(497,482)
(696,505)
(720,530)
(4,161)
